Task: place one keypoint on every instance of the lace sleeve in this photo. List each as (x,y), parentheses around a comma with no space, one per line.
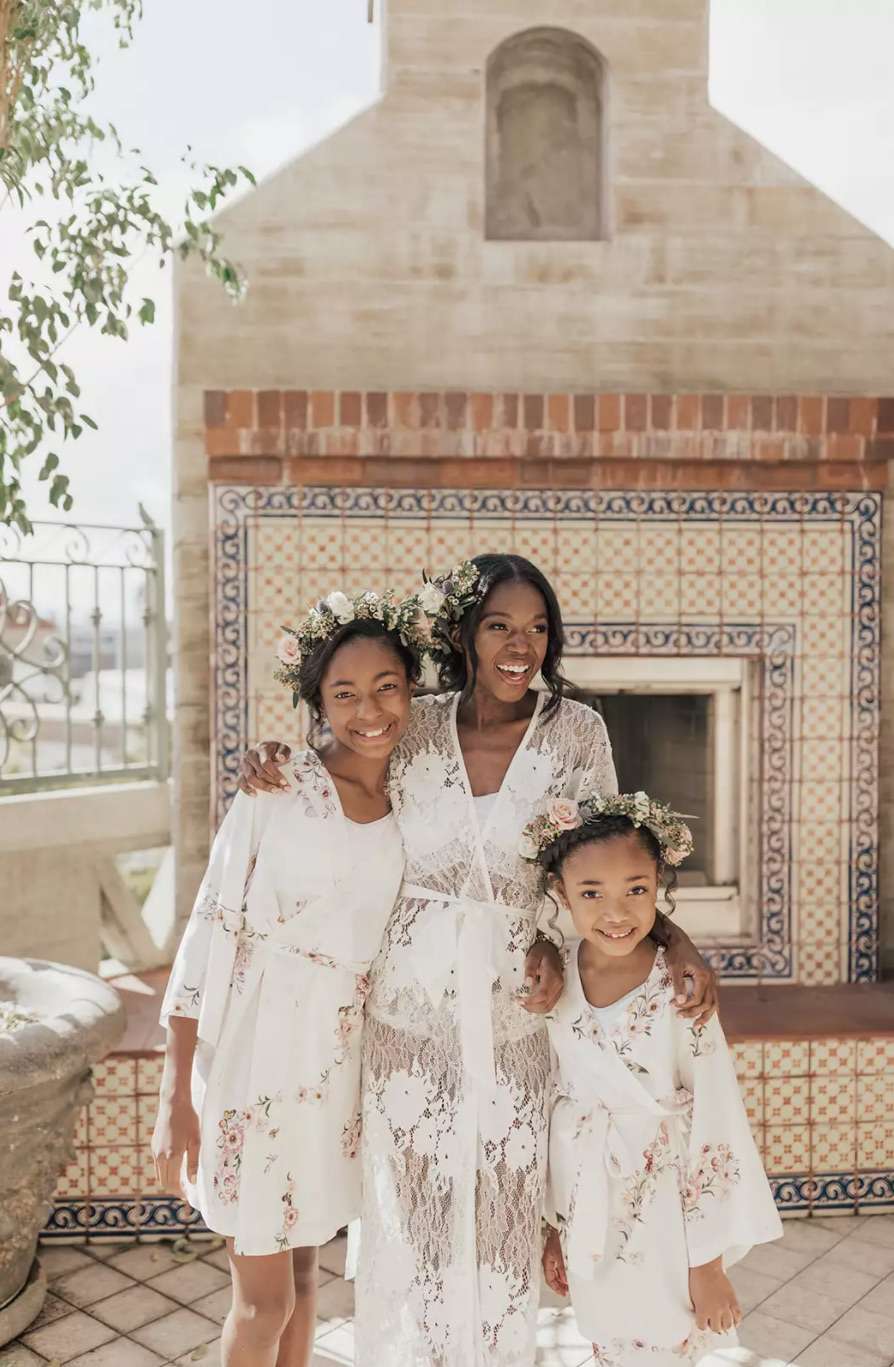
(598,764)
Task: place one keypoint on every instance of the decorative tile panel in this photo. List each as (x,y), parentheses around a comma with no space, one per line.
(652,592)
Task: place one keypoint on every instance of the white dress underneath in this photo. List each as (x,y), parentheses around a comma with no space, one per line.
(274,966)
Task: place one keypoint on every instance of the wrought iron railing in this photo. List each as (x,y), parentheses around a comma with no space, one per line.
(83,655)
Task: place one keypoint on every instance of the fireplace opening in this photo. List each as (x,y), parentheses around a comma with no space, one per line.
(679,728)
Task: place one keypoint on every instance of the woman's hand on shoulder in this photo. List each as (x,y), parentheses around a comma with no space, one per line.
(259,771)
(544,978)
(699,1002)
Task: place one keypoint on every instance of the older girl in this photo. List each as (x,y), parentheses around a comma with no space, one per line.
(456,1070)
(265,1002)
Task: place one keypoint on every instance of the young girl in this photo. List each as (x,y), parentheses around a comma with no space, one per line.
(456,1062)
(656,1186)
(264,1006)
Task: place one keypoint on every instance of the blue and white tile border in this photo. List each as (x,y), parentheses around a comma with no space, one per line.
(74,1220)
(236,509)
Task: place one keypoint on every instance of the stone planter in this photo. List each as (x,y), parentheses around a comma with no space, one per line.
(55,1023)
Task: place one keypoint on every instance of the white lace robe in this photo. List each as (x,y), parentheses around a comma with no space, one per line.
(273,965)
(456,1072)
(653,1170)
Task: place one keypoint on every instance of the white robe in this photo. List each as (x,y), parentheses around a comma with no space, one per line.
(456,1072)
(274,964)
(652,1170)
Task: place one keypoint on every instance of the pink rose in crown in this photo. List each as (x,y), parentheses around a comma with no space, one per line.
(288,651)
(563,812)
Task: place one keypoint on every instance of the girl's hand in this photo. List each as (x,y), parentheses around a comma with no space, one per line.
(176,1133)
(544,978)
(713,1297)
(259,770)
(687,966)
(554,1264)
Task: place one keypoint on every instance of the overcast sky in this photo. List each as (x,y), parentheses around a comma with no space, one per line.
(809,78)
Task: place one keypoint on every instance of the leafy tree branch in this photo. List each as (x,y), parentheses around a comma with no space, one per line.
(101,224)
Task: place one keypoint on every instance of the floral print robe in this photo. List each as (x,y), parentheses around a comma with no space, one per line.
(274,966)
(652,1167)
(456,1072)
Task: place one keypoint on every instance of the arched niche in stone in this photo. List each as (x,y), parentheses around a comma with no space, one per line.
(545,132)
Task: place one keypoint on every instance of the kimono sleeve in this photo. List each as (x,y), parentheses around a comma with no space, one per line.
(218,904)
(599,766)
(727,1203)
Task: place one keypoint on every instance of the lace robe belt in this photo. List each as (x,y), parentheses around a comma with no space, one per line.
(470,937)
(230,928)
(602,1153)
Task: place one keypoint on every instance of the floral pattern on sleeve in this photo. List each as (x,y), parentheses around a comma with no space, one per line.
(714,1173)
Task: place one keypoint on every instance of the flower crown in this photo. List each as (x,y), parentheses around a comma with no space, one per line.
(338,610)
(564,814)
(446,599)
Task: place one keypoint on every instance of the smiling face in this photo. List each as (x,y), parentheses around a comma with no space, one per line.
(365,695)
(511,640)
(611,888)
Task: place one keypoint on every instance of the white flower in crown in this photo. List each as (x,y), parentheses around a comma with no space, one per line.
(288,651)
(564,814)
(341,607)
(431,598)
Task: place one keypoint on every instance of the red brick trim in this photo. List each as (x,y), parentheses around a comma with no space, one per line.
(641,440)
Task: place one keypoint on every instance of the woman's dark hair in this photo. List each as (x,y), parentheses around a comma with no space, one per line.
(315,664)
(603,828)
(454,671)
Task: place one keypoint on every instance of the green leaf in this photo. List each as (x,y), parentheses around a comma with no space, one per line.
(147,311)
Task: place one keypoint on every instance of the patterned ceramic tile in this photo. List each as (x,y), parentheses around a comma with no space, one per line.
(617,548)
(74,1180)
(786,1100)
(834,1148)
(536,540)
(820,718)
(824,593)
(660,597)
(740,551)
(786,1058)
(822,678)
(875,1141)
(875,1096)
(407,548)
(821,962)
(787,1149)
(660,551)
(577,596)
(115,1075)
(833,1057)
(876,1056)
(833,1099)
(823,884)
(147,1110)
(780,552)
(748,1057)
(115,1172)
(576,549)
(700,548)
(149,1071)
(113,1120)
(700,595)
(752,1090)
(819,802)
(617,597)
(781,596)
(741,595)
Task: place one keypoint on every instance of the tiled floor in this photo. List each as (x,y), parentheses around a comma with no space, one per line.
(821,1297)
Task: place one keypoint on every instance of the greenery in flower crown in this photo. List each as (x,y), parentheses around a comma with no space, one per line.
(338,610)
(565,814)
(445,600)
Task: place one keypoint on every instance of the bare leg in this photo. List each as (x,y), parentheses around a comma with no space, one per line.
(296,1345)
(263,1301)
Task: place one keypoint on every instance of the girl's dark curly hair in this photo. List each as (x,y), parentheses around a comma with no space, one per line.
(603,828)
(317,661)
(458,670)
